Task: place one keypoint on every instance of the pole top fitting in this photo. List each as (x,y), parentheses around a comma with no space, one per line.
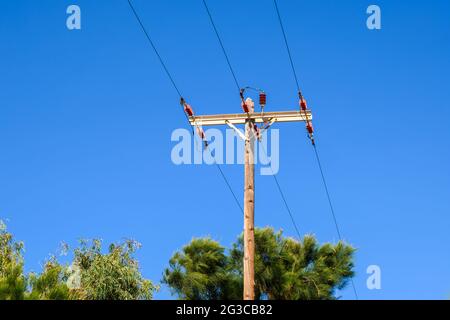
(250,104)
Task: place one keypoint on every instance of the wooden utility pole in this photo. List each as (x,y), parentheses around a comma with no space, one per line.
(249,210)
(249,119)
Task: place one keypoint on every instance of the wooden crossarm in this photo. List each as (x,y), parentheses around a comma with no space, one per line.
(240,118)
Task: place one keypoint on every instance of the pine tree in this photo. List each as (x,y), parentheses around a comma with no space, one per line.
(284,268)
(200,272)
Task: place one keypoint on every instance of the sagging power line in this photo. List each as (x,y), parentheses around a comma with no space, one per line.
(187,109)
(310,131)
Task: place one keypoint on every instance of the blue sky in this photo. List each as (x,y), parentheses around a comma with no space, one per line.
(86,118)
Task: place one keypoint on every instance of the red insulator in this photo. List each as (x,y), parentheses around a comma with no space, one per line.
(188,110)
(303,105)
(262,99)
(244,107)
(255,127)
(310,128)
(201,133)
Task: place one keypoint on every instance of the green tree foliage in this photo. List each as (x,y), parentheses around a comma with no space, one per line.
(93,275)
(51,284)
(284,268)
(201,272)
(13,283)
(111,276)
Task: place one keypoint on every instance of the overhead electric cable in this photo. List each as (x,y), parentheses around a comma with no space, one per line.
(314,144)
(169,75)
(287,46)
(178,92)
(229,186)
(327,192)
(222,46)
(284,198)
(331,207)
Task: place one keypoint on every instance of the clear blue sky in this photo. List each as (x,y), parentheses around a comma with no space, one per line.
(86,118)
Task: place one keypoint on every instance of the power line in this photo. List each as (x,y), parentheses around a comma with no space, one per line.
(222,46)
(285,204)
(283,197)
(327,191)
(154,48)
(287,207)
(178,91)
(331,207)
(158,55)
(287,45)
(229,186)
(314,144)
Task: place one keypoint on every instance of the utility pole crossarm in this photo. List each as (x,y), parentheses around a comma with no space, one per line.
(257,117)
